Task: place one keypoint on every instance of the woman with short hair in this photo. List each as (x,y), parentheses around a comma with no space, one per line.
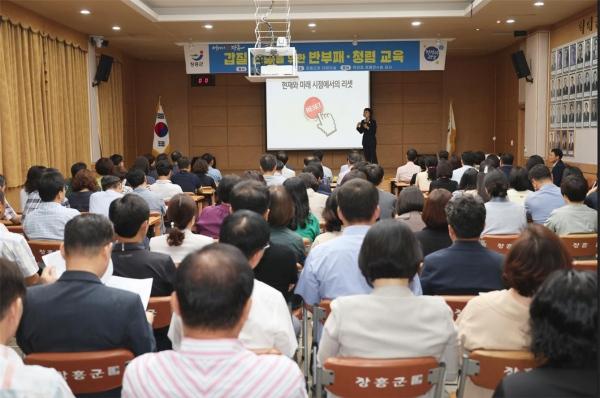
(333,224)
(409,207)
(180,241)
(281,213)
(502,217)
(564,337)
(390,322)
(83,186)
(443,178)
(499,320)
(519,185)
(435,235)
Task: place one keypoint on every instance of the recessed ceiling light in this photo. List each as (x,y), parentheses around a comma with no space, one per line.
(498,21)
(416,23)
(538,3)
(312,25)
(116,27)
(85,12)
(208,26)
(477,29)
(510,20)
(313,30)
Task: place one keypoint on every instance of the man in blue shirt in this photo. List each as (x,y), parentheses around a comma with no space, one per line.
(331,269)
(546,197)
(466,267)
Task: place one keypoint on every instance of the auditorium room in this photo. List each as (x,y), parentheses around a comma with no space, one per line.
(299,199)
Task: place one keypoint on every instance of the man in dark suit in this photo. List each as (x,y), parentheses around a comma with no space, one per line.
(466,267)
(565,116)
(586,112)
(131,259)
(188,181)
(595,81)
(506,163)
(586,82)
(572,87)
(387,201)
(565,89)
(558,167)
(78,312)
(571,113)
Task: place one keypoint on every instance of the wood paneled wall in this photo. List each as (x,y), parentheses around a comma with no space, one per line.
(228,120)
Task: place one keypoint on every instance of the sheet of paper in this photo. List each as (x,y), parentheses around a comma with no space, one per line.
(56,260)
(141,287)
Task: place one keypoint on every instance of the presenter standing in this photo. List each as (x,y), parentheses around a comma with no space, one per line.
(368,128)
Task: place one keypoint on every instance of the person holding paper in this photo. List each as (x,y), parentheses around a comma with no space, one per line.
(368,128)
(77,312)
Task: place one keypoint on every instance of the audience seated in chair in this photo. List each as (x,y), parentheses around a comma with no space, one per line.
(180,240)
(212,172)
(534,256)
(138,181)
(435,235)
(564,333)
(387,201)
(213,291)
(82,187)
(188,181)
(409,208)
(14,248)
(547,196)
(200,168)
(502,217)
(468,159)
(331,269)
(112,189)
(390,322)
(303,222)
(281,213)
(78,312)
(269,323)
(404,173)
(47,221)
(210,220)
(333,225)
(519,185)
(268,164)
(574,217)
(9,213)
(327,173)
(443,173)
(466,267)
(353,157)
(163,186)
(19,380)
(316,200)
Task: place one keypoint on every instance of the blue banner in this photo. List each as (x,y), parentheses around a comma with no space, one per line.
(410,55)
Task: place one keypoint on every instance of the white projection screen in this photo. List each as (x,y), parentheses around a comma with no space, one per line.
(318,110)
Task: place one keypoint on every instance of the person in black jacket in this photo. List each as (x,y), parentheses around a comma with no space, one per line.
(368,128)
(564,328)
(558,167)
(444,178)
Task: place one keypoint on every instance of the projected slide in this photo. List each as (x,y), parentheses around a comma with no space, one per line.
(319,110)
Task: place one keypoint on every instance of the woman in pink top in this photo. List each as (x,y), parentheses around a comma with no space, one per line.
(499,320)
(210,220)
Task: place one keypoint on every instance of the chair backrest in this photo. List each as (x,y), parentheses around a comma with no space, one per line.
(586,265)
(162,311)
(498,243)
(86,372)
(457,303)
(17,229)
(487,368)
(378,378)
(581,245)
(40,248)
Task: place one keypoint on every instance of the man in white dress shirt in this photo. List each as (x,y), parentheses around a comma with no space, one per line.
(19,380)
(112,189)
(468,160)
(163,185)
(269,323)
(405,172)
(353,157)
(268,167)
(48,220)
(286,171)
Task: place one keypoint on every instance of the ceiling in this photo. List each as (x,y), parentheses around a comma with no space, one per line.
(150,29)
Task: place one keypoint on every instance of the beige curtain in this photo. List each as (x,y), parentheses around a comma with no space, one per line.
(110,102)
(44,116)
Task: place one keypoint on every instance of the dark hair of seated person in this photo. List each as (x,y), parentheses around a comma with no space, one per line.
(468,181)
(389,250)
(564,320)
(309,181)
(434,211)
(184,162)
(330,216)
(87,234)
(357,200)
(268,162)
(533,161)
(574,187)
(518,179)
(353,174)
(163,168)
(540,172)
(84,179)
(225,186)
(213,286)
(51,183)
(250,195)
(281,209)
(200,166)
(180,211)
(76,167)
(33,178)
(466,216)
(12,285)
(135,177)
(374,173)
(496,184)
(104,166)
(444,169)
(128,214)
(253,175)
(297,190)
(410,199)
(246,230)
(110,182)
(536,254)
(142,163)
(314,168)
